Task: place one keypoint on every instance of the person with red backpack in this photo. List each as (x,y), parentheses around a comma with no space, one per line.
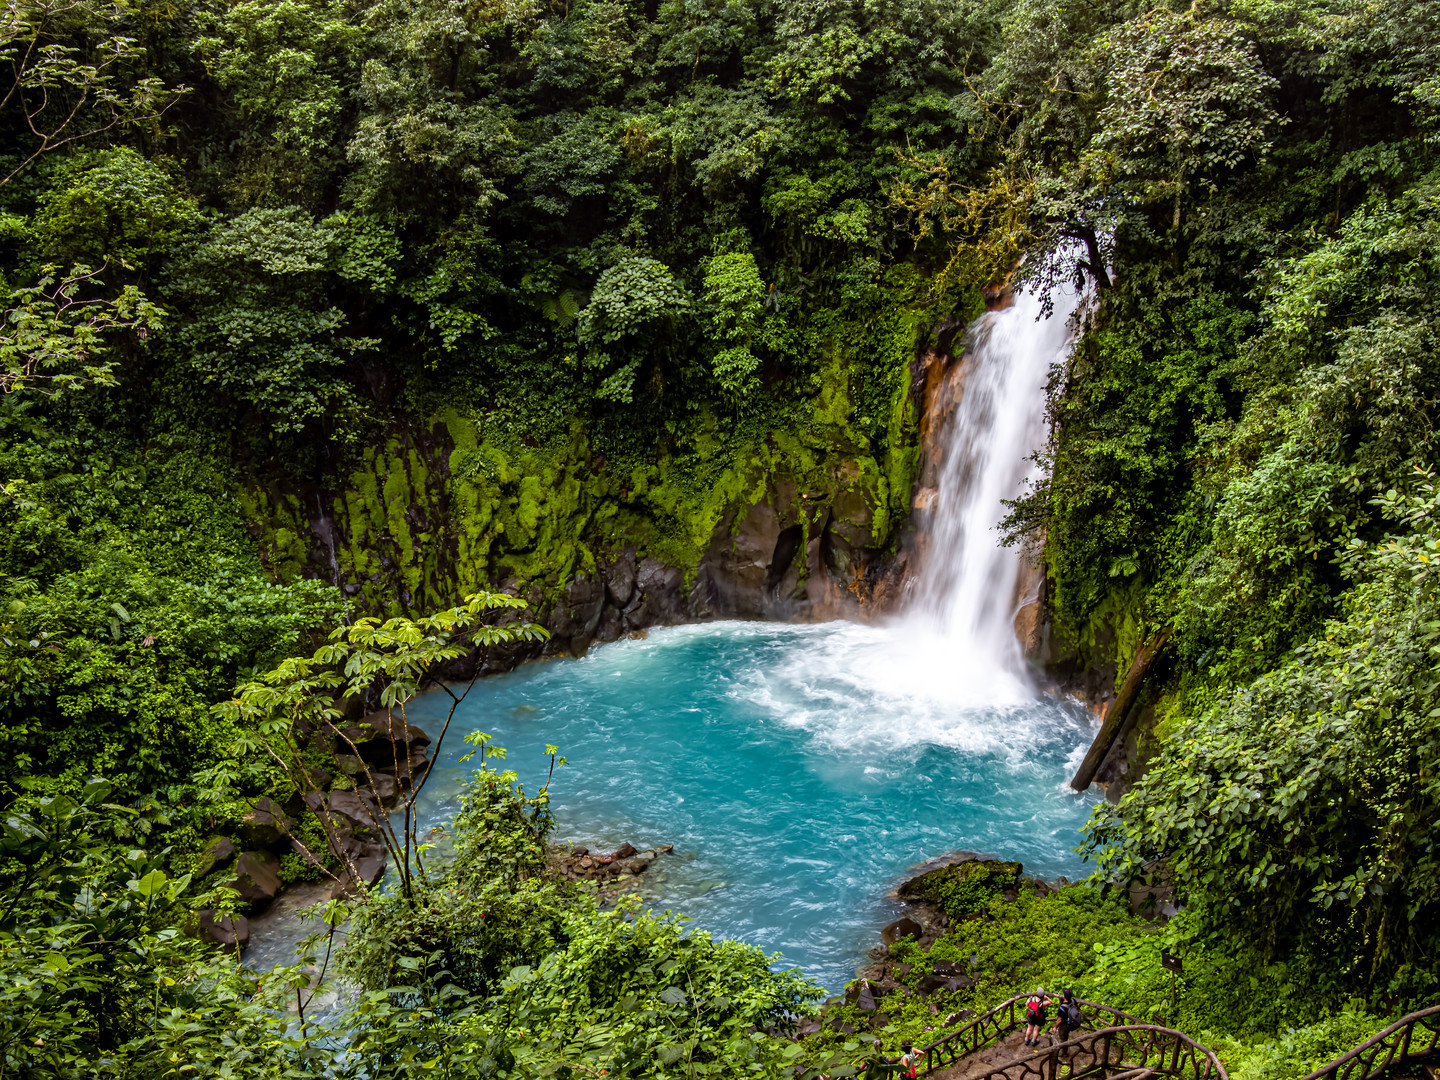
(1036,1013)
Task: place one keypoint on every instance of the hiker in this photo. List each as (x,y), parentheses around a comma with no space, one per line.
(1068,1016)
(908,1062)
(1035,1016)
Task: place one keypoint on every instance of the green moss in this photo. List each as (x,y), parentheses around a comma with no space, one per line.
(965,887)
(422,521)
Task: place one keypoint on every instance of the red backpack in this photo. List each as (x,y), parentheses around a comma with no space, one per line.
(1032,1010)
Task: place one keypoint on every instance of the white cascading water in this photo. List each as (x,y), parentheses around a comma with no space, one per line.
(949,670)
(966,589)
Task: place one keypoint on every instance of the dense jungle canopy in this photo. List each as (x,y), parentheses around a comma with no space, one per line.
(624,256)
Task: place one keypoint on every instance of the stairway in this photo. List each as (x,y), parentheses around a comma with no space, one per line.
(992,1047)
(984,1060)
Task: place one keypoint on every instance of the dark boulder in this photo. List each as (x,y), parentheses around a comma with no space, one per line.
(963,887)
(369,868)
(950,983)
(865,1000)
(574,619)
(410,771)
(257,877)
(227,930)
(265,824)
(219,851)
(620,579)
(611,625)
(382,738)
(385,787)
(624,851)
(660,587)
(356,808)
(316,777)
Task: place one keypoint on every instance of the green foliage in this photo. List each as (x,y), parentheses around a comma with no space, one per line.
(460,297)
(132,600)
(58,334)
(300,701)
(493,966)
(98,980)
(635,299)
(261,323)
(72,78)
(1302,808)
(1263,1017)
(1300,1050)
(288,67)
(115,207)
(964,888)
(737,295)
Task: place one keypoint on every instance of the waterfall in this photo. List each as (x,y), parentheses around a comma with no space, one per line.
(966,589)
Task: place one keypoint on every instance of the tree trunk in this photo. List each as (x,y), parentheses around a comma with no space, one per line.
(1114,723)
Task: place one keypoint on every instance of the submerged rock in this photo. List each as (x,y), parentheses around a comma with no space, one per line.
(620,867)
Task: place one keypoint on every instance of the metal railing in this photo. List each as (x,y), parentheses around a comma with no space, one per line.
(1133,1051)
(995,1025)
(1408,1039)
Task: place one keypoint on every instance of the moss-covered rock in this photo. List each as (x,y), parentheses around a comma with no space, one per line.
(963,887)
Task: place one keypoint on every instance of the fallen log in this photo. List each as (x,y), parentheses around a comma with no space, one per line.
(1114,725)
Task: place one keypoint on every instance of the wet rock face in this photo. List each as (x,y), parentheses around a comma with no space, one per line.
(620,580)
(901,929)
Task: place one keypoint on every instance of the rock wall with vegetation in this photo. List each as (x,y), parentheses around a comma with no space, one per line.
(803,520)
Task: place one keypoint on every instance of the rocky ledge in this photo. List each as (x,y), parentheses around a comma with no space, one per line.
(955,888)
(611,871)
(375,761)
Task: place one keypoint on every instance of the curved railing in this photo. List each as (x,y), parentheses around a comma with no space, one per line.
(996,1024)
(1408,1039)
(1134,1051)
